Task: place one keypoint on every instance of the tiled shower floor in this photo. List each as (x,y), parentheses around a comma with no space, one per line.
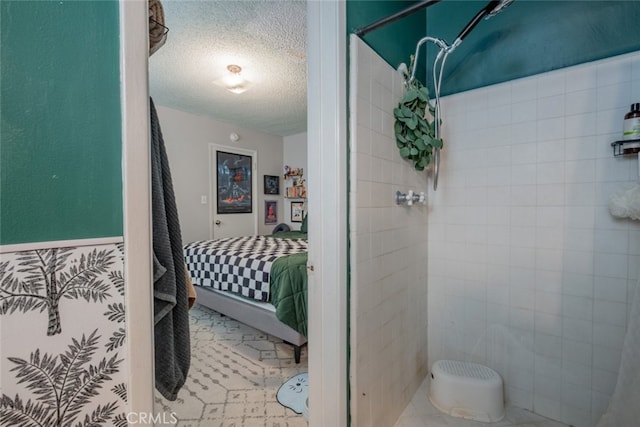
(421,413)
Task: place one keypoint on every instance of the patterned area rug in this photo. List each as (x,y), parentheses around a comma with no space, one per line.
(235,374)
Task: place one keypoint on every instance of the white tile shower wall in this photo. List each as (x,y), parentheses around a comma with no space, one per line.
(528,272)
(388,248)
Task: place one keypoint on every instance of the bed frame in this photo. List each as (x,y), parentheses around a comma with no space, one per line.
(261,316)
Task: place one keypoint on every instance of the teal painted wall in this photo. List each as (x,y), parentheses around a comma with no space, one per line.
(531,37)
(60,129)
(394,42)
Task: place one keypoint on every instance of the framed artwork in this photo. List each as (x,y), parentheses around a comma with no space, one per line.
(270,212)
(234,183)
(297,211)
(271,184)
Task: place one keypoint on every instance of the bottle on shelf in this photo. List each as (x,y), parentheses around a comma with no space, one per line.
(631,126)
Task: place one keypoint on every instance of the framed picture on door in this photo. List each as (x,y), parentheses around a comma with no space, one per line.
(234,183)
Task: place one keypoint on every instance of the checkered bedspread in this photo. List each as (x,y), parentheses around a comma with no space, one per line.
(238,264)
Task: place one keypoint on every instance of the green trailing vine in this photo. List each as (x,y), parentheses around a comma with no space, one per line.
(415,129)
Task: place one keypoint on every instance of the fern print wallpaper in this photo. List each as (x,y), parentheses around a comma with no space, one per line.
(62,311)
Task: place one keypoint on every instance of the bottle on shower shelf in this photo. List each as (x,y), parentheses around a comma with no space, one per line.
(631,129)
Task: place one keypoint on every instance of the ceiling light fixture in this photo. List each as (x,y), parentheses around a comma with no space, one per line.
(234,81)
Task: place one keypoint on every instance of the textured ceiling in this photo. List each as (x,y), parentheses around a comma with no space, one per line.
(266,38)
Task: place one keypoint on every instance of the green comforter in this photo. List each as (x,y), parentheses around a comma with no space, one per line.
(288,287)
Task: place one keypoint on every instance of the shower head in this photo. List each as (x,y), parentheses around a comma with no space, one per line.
(498,8)
(491,9)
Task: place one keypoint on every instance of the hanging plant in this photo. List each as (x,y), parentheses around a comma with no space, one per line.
(415,126)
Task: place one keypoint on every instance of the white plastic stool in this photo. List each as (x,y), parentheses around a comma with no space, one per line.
(467,390)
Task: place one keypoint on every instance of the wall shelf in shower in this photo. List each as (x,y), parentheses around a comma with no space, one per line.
(626,147)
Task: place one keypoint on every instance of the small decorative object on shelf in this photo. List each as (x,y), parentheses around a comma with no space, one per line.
(295,188)
(626,147)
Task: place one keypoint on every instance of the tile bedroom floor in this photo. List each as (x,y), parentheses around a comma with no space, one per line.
(421,413)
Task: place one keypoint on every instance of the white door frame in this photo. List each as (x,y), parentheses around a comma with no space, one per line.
(213,202)
(136,176)
(327,147)
(327,129)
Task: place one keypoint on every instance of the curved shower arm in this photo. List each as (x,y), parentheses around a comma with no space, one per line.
(438,42)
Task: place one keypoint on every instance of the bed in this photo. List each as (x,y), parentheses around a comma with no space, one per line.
(260,281)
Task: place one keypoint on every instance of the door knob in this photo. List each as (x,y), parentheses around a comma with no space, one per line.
(218,222)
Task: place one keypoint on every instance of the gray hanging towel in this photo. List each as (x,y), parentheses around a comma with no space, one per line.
(170,303)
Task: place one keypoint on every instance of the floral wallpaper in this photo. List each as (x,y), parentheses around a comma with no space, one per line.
(62,355)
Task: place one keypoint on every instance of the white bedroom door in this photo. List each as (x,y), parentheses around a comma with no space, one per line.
(233,191)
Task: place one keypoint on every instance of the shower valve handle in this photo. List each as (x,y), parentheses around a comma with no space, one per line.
(410,197)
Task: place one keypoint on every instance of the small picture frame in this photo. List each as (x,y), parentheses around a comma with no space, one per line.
(270,211)
(271,184)
(297,211)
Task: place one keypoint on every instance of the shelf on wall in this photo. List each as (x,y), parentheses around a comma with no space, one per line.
(296,192)
(297,189)
(632,147)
